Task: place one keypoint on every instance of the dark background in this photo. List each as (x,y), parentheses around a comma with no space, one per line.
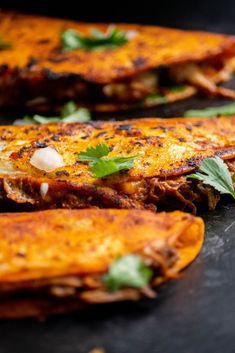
(217,15)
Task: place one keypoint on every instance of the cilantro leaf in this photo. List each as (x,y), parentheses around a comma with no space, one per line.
(4,44)
(101,167)
(70,114)
(214,172)
(155,98)
(228,109)
(104,167)
(70,40)
(79,115)
(113,38)
(94,153)
(68,109)
(127,271)
(39,119)
(108,166)
(177,88)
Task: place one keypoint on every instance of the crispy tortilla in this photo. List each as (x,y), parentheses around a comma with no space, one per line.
(168,150)
(35,73)
(53,261)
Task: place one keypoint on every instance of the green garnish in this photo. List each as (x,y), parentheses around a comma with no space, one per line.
(101,167)
(70,114)
(113,38)
(4,44)
(177,88)
(93,153)
(228,109)
(127,271)
(155,98)
(214,172)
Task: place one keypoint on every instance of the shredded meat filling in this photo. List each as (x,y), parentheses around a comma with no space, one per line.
(19,87)
(90,289)
(137,88)
(194,75)
(153,193)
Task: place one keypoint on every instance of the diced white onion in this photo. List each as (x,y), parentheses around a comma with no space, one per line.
(131,34)
(46,159)
(44,187)
(2,145)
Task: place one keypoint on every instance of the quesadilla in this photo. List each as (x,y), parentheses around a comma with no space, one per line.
(45,62)
(146,165)
(61,260)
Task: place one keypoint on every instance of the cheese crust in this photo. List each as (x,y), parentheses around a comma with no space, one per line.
(168,150)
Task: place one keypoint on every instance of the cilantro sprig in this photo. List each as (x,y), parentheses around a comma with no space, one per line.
(177,88)
(101,167)
(228,109)
(214,172)
(70,114)
(4,44)
(155,98)
(113,38)
(127,271)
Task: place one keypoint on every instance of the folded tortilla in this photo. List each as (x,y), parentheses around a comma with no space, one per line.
(167,150)
(54,261)
(157,65)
